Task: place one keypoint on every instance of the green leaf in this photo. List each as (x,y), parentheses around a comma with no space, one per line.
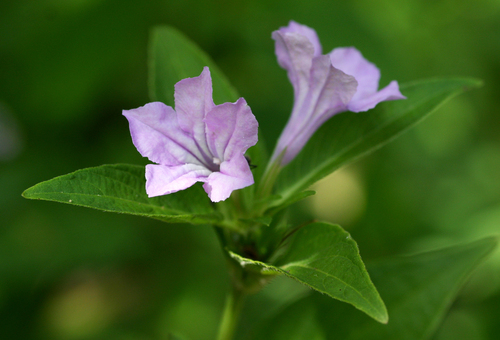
(348,136)
(121,188)
(417,290)
(172,57)
(324,257)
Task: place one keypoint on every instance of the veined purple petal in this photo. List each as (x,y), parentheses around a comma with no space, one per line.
(234,174)
(295,53)
(309,33)
(156,135)
(330,90)
(163,180)
(193,100)
(352,62)
(390,92)
(231,129)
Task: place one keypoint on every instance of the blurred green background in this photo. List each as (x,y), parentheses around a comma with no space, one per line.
(68,68)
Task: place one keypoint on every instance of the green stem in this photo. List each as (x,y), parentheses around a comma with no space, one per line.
(230,317)
(265,187)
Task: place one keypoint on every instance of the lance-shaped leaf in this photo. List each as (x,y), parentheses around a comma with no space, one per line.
(348,136)
(121,188)
(417,290)
(324,257)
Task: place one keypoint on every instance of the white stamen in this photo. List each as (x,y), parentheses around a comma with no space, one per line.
(216,161)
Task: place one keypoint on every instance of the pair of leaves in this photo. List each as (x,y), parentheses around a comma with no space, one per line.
(417,289)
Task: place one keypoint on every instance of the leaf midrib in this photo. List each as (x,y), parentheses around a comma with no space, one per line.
(338,279)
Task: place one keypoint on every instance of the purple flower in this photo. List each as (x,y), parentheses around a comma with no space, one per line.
(198,142)
(323,85)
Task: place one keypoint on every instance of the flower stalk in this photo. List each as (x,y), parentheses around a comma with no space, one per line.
(231,314)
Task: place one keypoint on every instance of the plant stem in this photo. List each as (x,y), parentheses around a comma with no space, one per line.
(230,317)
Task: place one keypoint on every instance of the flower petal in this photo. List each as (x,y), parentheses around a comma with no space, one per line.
(157,135)
(352,62)
(231,129)
(234,174)
(295,53)
(330,92)
(193,100)
(331,89)
(163,180)
(390,92)
(309,33)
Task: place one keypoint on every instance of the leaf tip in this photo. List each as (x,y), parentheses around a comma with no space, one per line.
(384,319)
(380,315)
(26,193)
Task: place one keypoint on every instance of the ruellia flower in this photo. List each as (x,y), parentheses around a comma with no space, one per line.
(324,85)
(197,142)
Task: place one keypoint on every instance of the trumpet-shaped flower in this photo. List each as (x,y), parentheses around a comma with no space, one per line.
(324,85)
(197,142)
